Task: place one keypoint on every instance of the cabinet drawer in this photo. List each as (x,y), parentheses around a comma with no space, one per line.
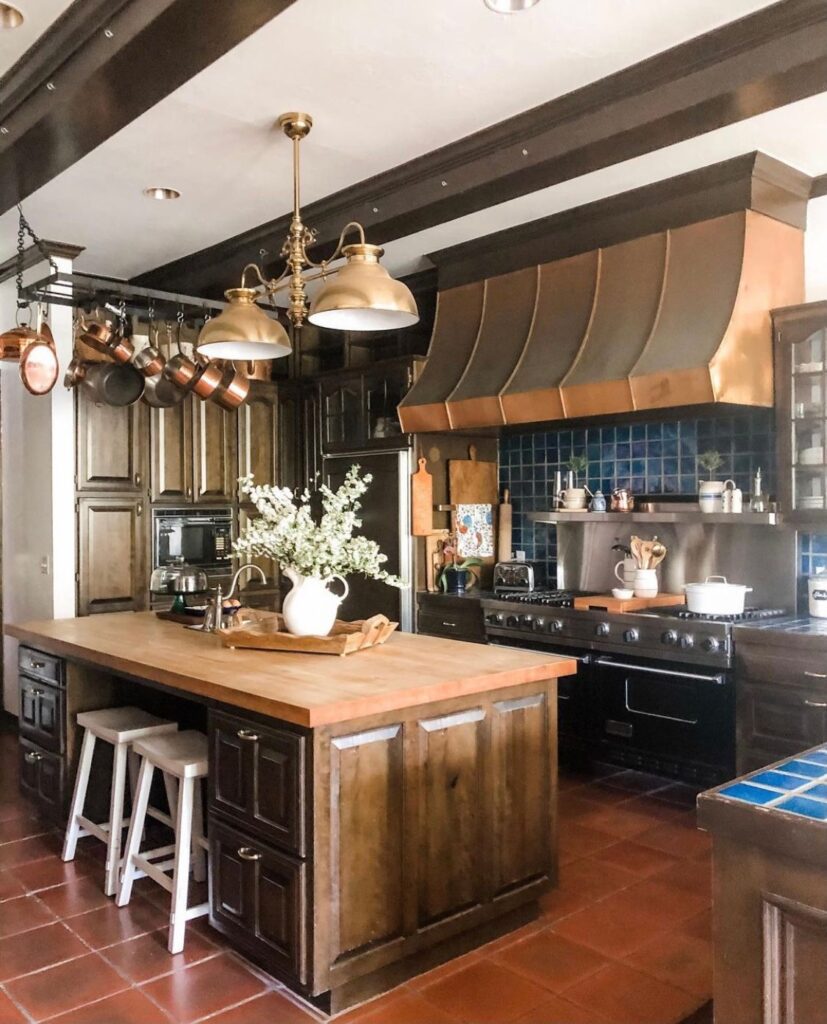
(42,714)
(40,666)
(258,897)
(769,665)
(775,721)
(257,777)
(42,778)
(452,622)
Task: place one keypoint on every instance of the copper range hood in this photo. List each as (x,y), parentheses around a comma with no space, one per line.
(677,318)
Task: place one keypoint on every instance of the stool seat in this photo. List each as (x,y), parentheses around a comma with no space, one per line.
(183,754)
(124,725)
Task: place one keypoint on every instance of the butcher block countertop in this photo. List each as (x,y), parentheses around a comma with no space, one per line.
(306,689)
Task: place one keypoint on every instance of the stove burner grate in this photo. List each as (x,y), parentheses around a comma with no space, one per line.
(747,615)
(550,598)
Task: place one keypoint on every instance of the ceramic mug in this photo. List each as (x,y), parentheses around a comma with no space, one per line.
(573,498)
(625,572)
(646,583)
(710,495)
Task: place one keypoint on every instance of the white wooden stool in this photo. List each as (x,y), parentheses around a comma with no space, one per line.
(120,727)
(182,756)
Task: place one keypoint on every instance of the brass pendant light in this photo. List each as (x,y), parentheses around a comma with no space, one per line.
(362,296)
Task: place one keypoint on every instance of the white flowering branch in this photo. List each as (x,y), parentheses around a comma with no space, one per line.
(286,531)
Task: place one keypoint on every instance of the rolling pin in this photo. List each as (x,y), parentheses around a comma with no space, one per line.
(504,529)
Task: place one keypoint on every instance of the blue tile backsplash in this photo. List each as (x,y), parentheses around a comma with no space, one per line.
(651,458)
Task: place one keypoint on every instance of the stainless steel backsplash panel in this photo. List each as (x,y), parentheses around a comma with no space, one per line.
(763,558)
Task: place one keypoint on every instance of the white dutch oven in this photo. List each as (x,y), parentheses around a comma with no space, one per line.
(817,586)
(716,597)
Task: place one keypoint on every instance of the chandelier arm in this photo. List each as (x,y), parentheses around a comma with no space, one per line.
(257,271)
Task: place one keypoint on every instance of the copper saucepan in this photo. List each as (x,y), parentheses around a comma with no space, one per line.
(150,361)
(233,390)
(120,348)
(209,380)
(97,333)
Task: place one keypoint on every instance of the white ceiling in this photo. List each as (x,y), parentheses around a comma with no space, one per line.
(386,80)
(38,16)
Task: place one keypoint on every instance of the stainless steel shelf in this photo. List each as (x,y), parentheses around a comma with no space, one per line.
(683,516)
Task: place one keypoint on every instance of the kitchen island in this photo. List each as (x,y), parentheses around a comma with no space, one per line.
(369,816)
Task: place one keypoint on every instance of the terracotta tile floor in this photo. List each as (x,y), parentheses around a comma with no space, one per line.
(623,940)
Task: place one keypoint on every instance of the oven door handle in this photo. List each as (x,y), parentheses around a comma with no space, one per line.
(585,659)
(653,714)
(660,671)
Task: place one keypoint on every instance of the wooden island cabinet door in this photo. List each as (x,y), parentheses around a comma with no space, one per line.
(109,446)
(258,435)
(214,450)
(111,555)
(170,441)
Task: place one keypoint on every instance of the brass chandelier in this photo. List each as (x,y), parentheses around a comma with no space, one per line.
(359,295)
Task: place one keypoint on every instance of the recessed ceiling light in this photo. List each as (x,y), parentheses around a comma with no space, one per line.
(510,6)
(10,17)
(157,192)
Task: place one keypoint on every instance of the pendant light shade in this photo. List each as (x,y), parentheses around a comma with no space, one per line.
(243,331)
(363,296)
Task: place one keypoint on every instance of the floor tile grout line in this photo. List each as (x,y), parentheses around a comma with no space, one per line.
(15,1003)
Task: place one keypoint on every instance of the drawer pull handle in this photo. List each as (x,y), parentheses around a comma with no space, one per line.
(245,853)
(33,691)
(33,757)
(816,703)
(247,734)
(451,624)
(816,675)
(38,664)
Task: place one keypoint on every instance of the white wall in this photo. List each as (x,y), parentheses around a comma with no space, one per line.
(37,491)
(815,251)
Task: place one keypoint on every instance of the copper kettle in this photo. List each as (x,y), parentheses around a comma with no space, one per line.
(622,500)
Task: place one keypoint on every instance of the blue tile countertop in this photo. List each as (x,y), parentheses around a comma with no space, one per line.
(781,807)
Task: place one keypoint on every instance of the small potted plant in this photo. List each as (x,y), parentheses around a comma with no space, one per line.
(456,576)
(710,492)
(574,497)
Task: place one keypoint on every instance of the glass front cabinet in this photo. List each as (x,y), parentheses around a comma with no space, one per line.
(801,408)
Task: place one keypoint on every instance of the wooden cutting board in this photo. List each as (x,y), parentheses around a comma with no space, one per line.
(422,501)
(608,603)
(471,482)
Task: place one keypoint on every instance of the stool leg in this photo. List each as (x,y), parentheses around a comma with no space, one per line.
(79,798)
(113,847)
(199,856)
(136,829)
(171,788)
(181,871)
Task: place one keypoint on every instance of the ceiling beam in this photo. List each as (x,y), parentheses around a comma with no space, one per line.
(819,188)
(98,67)
(768,59)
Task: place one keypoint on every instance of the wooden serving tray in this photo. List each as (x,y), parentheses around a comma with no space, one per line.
(268,634)
(608,603)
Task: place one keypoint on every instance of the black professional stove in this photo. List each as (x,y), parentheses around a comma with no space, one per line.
(654,688)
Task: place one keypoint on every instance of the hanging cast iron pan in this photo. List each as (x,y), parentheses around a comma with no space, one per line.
(113,383)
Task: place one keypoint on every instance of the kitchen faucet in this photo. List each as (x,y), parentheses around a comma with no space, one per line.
(214,617)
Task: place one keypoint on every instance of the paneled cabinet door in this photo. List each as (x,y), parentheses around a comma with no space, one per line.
(776,721)
(111,555)
(41,776)
(258,897)
(170,442)
(258,435)
(109,446)
(41,713)
(214,451)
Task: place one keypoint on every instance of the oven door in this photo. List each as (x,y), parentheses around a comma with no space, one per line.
(575,695)
(664,718)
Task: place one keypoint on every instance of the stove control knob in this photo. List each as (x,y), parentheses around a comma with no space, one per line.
(602,629)
(711,645)
(527,621)
(539,624)
(496,619)
(687,640)
(513,621)
(555,626)
(669,637)
(631,636)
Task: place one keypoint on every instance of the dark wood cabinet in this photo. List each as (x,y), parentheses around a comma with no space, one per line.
(109,447)
(41,713)
(259,435)
(112,555)
(42,777)
(170,445)
(452,616)
(781,703)
(258,898)
(214,450)
(258,778)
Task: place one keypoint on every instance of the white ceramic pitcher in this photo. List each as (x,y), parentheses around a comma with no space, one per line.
(310,607)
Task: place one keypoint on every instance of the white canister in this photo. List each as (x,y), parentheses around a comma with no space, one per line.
(817,590)
(710,496)
(646,583)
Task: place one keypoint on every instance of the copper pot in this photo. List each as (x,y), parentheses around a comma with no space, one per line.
(97,334)
(209,381)
(255,369)
(233,389)
(13,342)
(182,371)
(150,361)
(622,500)
(120,348)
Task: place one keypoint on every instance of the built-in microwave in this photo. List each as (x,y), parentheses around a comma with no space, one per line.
(201,537)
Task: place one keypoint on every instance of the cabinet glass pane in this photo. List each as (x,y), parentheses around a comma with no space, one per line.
(809,387)
(342,418)
(383,395)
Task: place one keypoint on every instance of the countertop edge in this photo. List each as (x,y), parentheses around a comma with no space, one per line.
(332,714)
